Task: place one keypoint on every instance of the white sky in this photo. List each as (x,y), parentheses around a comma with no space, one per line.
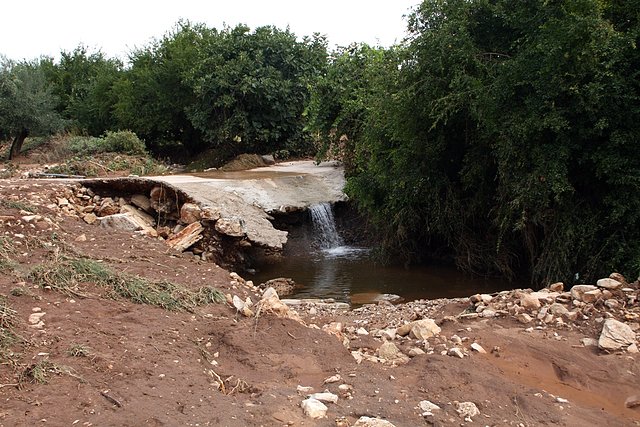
(31,28)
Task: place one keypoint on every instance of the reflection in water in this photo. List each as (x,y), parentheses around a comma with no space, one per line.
(343,271)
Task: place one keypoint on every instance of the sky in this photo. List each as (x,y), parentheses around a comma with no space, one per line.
(33,28)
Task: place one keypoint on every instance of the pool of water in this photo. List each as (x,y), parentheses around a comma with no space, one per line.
(350,273)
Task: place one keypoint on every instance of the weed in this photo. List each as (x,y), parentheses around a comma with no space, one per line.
(7,322)
(64,274)
(15,204)
(39,373)
(79,350)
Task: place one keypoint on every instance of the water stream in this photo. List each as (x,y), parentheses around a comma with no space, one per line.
(317,258)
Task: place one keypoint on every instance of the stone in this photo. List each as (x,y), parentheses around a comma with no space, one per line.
(578,290)
(557,287)
(456,352)
(210,213)
(362,331)
(325,397)
(529,302)
(558,309)
(332,379)
(304,389)
(590,297)
(268,159)
(632,401)
(615,336)
(160,200)
(589,342)
(612,304)
(283,285)
(372,422)
(118,221)
(424,329)
(477,347)
(190,213)
(232,227)
(108,207)
(389,333)
(467,410)
(618,277)
(187,237)
(81,238)
(415,351)
(271,303)
(633,348)
(427,406)
(90,218)
(524,318)
(62,202)
(313,408)
(608,283)
(388,351)
(571,315)
(141,201)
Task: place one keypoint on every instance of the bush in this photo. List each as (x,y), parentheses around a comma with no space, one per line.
(125,142)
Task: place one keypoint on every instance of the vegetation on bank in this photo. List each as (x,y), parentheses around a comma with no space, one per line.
(500,136)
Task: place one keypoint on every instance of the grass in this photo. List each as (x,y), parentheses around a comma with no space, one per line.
(15,204)
(7,248)
(7,322)
(79,350)
(65,274)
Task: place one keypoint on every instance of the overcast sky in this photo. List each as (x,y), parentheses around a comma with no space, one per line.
(31,28)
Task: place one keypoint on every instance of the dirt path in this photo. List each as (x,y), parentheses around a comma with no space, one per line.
(99,358)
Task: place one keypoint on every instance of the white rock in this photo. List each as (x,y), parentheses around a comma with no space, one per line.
(332,379)
(314,408)
(456,352)
(477,347)
(304,389)
(578,290)
(388,351)
(427,406)
(608,283)
(325,397)
(467,410)
(589,342)
(362,331)
(529,302)
(372,422)
(615,335)
(424,329)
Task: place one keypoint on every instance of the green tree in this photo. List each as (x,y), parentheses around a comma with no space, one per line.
(507,139)
(27,106)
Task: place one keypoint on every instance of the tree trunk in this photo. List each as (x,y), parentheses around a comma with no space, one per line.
(16,147)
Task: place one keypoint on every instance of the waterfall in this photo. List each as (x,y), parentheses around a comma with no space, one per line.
(325,226)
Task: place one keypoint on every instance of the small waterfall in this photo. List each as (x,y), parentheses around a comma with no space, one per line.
(325,226)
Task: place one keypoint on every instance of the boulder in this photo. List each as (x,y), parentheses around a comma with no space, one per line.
(615,336)
(557,287)
(619,277)
(529,302)
(190,213)
(388,351)
(232,227)
(325,397)
(313,408)
(590,297)
(423,329)
(608,283)
(120,221)
(372,422)
(141,201)
(578,290)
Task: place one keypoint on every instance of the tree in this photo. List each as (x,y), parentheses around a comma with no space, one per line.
(27,106)
(506,139)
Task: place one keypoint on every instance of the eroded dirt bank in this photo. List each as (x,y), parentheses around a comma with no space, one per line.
(80,350)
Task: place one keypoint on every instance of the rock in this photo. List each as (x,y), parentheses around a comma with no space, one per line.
(118,221)
(187,237)
(571,315)
(304,390)
(619,277)
(529,302)
(612,303)
(578,290)
(389,333)
(557,309)
(608,283)
(589,342)
(271,303)
(615,335)
(424,329)
(477,347)
(456,352)
(467,410)
(415,351)
(427,406)
(210,213)
(332,379)
(81,238)
(62,202)
(557,287)
(325,397)
(362,331)
(283,285)
(190,213)
(633,348)
(632,401)
(90,218)
(108,207)
(524,318)
(141,201)
(35,320)
(487,312)
(314,408)
(591,296)
(232,227)
(145,220)
(268,159)
(372,422)
(388,351)
(160,200)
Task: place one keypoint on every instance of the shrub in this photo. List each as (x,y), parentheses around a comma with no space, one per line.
(125,142)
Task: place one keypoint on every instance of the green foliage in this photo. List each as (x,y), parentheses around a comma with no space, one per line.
(505,138)
(125,142)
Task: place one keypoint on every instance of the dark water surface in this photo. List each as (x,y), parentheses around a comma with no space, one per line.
(344,272)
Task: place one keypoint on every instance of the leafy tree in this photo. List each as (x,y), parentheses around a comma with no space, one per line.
(27,106)
(506,138)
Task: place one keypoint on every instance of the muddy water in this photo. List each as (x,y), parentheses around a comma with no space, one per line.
(350,274)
